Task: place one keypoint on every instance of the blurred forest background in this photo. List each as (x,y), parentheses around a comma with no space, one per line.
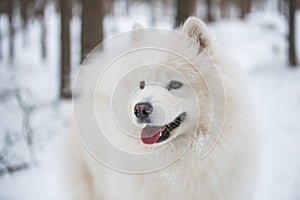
(92,13)
(43,42)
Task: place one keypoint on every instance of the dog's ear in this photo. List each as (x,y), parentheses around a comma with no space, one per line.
(197,30)
(137,31)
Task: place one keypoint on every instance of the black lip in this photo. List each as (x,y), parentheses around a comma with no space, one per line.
(171,126)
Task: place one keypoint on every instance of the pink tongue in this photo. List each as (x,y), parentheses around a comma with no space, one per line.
(150,134)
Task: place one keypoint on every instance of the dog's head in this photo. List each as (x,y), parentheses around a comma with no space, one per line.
(165,104)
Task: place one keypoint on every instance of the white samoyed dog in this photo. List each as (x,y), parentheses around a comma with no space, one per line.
(161,115)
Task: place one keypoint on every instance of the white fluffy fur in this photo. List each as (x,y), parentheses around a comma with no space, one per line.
(227,173)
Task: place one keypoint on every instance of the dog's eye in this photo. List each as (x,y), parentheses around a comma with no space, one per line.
(174,85)
(142,84)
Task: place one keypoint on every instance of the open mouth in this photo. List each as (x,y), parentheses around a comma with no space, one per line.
(155,134)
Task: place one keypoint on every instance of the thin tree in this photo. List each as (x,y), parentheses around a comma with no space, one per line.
(24,7)
(184,10)
(10,12)
(23,11)
(224,8)
(1,44)
(92,25)
(65,81)
(291,37)
(209,16)
(41,15)
(245,8)
(43,34)
(281,6)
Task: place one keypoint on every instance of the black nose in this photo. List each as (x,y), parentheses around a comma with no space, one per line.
(142,111)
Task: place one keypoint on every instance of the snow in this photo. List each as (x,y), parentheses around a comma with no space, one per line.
(29,91)
(41,181)
(257,45)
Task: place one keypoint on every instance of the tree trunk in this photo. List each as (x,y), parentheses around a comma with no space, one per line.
(24,5)
(225,8)
(23,11)
(127,7)
(280,5)
(65,81)
(10,10)
(184,10)
(41,16)
(152,11)
(245,8)
(92,25)
(209,17)
(43,31)
(1,55)
(292,46)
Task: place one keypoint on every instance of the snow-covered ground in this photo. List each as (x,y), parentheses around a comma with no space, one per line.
(257,45)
